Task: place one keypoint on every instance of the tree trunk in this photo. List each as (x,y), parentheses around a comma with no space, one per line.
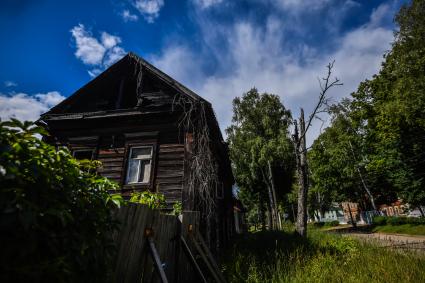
(371,198)
(301,225)
(262,215)
(272,218)
(277,220)
(353,223)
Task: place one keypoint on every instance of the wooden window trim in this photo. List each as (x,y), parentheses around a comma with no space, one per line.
(79,149)
(139,186)
(149,158)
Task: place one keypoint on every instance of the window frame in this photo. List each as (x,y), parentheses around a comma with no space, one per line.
(84,149)
(128,148)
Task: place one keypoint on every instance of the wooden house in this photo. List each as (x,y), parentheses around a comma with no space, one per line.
(150,133)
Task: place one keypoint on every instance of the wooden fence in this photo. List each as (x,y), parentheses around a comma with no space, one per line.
(154,247)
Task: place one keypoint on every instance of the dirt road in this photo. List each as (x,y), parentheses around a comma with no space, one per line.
(395,241)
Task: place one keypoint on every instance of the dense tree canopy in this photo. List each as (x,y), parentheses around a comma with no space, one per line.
(258,137)
(381,130)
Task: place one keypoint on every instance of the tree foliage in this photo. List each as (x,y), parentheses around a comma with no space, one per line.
(385,123)
(55,221)
(258,135)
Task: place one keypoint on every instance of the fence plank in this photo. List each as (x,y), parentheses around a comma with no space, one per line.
(173,255)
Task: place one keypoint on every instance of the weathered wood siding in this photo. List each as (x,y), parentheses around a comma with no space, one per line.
(170,171)
(112,163)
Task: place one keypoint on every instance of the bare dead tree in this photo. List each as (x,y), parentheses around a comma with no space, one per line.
(300,132)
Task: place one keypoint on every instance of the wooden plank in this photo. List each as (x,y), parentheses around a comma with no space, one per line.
(171,162)
(169,156)
(192,259)
(170,174)
(111,175)
(207,251)
(186,267)
(157,260)
(167,234)
(113,164)
(106,170)
(111,151)
(132,245)
(173,181)
(205,259)
(169,145)
(107,160)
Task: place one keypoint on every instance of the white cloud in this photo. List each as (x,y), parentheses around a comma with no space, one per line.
(203,4)
(255,56)
(109,41)
(128,16)
(10,84)
(89,49)
(180,63)
(149,9)
(23,106)
(97,53)
(113,55)
(302,5)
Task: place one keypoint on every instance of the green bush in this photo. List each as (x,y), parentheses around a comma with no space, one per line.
(318,224)
(177,208)
(332,223)
(55,220)
(396,221)
(153,200)
(379,220)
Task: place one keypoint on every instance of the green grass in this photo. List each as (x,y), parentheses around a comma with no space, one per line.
(409,229)
(323,257)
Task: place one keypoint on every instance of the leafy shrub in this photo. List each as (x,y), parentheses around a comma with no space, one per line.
(379,220)
(332,223)
(55,219)
(153,200)
(396,221)
(318,224)
(336,245)
(177,208)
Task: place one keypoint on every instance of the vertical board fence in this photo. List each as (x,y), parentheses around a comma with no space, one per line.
(145,233)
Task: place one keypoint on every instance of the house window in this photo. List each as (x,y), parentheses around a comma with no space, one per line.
(139,165)
(81,154)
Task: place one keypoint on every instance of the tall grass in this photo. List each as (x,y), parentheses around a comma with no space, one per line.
(285,257)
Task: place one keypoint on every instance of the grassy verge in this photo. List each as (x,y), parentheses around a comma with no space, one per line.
(409,229)
(284,257)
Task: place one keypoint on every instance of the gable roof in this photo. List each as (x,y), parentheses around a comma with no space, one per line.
(104,92)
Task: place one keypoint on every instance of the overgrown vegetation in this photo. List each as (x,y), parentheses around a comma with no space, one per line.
(55,221)
(261,152)
(151,199)
(285,257)
(401,225)
(374,150)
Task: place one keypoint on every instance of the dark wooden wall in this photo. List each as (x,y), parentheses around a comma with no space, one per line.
(111,140)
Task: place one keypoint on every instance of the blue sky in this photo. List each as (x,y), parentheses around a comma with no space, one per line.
(218,48)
